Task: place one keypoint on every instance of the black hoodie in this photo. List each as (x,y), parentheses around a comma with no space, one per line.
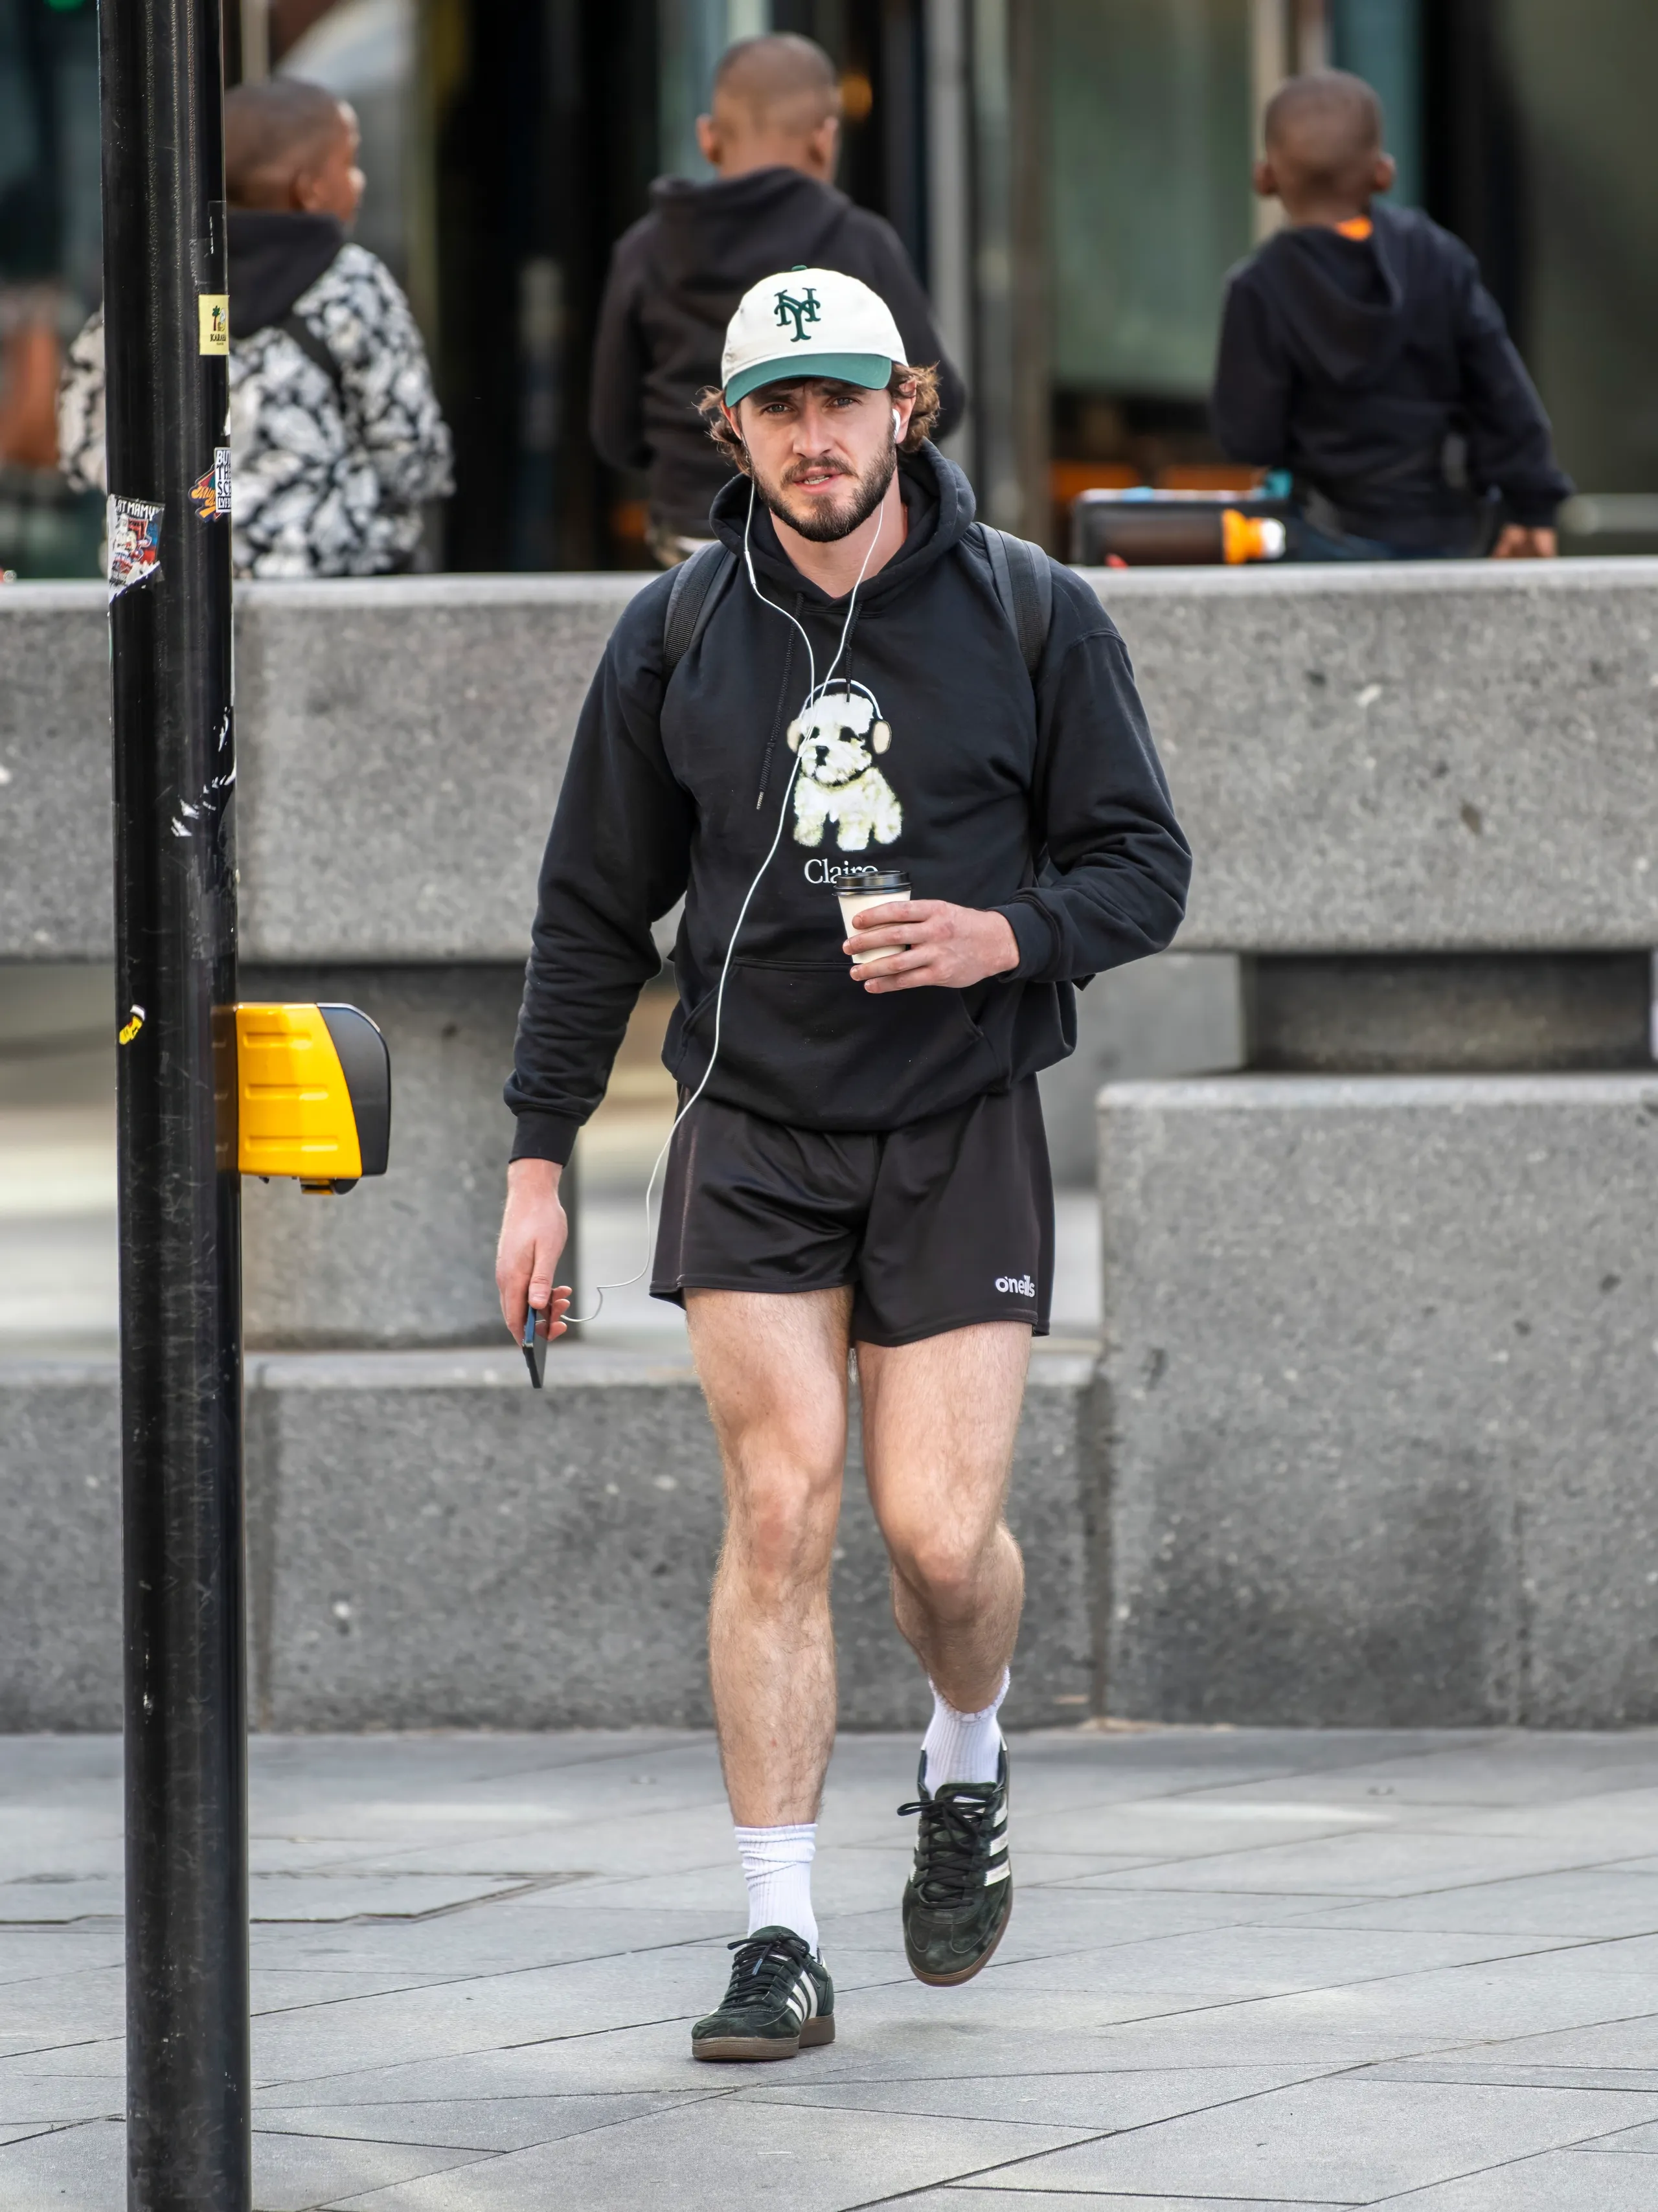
(273,257)
(1352,362)
(675,279)
(993,783)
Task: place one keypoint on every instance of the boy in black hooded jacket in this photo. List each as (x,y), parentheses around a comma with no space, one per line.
(1360,351)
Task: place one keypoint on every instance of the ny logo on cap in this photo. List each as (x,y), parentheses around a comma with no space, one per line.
(799,312)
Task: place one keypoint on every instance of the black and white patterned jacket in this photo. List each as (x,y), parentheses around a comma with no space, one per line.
(327,476)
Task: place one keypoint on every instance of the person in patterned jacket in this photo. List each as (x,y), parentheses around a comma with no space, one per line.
(335,436)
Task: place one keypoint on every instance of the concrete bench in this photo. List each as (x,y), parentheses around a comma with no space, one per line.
(432,1544)
(1381,1378)
(1443,755)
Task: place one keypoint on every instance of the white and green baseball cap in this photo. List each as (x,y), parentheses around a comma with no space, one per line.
(808,322)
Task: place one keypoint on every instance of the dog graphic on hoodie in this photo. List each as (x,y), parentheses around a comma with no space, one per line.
(838,738)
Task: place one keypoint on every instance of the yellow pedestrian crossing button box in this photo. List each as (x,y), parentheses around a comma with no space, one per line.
(314,1094)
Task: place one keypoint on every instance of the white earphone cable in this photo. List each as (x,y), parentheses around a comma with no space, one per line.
(814,692)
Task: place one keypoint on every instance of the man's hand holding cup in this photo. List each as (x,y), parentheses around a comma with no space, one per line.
(905,946)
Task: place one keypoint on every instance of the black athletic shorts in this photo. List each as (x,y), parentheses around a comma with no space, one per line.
(938,1225)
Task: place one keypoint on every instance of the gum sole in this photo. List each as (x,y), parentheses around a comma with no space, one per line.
(955,1981)
(751,2049)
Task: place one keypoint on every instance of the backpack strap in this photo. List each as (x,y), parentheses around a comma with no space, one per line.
(1023,577)
(315,348)
(691,601)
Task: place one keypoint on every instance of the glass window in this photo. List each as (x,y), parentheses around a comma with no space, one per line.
(1151,169)
(50,272)
(1581,80)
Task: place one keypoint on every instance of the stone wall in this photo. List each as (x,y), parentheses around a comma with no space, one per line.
(431,1544)
(1378,1366)
(1427,758)
(1369,1436)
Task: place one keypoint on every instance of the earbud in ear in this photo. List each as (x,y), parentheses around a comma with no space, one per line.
(898,426)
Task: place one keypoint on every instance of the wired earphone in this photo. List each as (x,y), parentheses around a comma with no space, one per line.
(815,691)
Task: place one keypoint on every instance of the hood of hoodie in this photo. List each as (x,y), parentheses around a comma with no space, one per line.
(710,233)
(1346,300)
(939,509)
(273,258)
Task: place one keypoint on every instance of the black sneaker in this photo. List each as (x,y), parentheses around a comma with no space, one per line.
(957,1902)
(780,2001)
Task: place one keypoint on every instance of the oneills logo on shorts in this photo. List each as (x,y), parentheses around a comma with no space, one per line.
(1022,1285)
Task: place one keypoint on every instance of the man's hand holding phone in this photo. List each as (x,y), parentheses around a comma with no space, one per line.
(533,1234)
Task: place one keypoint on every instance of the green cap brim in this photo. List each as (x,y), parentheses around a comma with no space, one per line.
(872,370)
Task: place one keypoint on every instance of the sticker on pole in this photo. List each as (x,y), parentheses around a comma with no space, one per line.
(211,489)
(134,528)
(213,322)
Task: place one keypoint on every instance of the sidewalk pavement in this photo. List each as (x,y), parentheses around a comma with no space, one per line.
(1245,1968)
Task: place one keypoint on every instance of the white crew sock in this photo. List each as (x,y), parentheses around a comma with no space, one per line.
(776,1864)
(962,1746)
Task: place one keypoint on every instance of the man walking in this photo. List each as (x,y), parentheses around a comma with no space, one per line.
(861,1162)
(676,275)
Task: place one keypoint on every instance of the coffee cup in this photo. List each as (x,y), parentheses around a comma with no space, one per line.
(890,887)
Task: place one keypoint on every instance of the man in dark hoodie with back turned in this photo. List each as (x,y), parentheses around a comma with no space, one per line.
(1360,351)
(336,435)
(676,276)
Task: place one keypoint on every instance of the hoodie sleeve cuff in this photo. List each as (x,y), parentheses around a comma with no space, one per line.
(1531,510)
(544,1137)
(1033,933)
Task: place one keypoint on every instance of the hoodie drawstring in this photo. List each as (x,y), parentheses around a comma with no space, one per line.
(782,709)
(852,640)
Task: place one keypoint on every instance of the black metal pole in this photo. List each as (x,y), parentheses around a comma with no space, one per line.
(166,344)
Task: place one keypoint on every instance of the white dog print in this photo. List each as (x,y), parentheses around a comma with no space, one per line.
(837,739)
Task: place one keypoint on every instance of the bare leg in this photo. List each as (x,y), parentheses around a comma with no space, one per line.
(939,1419)
(774,1371)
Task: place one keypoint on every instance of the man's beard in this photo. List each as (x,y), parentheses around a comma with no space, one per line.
(825,523)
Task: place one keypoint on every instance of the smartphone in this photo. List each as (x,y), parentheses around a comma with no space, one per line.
(535,1346)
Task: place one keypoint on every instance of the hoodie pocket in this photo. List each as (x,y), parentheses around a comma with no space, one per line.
(807,1044)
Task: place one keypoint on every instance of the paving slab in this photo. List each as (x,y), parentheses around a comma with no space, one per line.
(972,2199)
(1340,2141)
(1628,2038)
(1635,2080)
(27,1953)
(1394,1861)
(87,2166)
(1590,1901)
(1558,2181)
(1342,1968)
(687,2161)
(477,2124)
(1102,2102)
(1642,2139)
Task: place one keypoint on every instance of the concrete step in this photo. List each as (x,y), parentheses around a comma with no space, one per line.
(433,1544)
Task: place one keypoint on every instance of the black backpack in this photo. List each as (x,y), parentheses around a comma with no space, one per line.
(1021,572)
